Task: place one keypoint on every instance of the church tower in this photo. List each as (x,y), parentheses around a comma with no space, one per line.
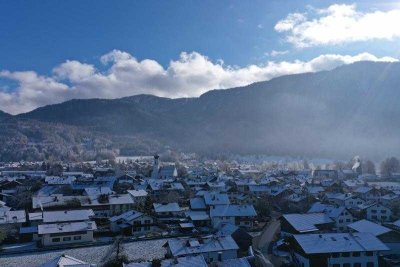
(156,167)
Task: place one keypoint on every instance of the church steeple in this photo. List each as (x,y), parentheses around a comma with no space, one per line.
(156,167)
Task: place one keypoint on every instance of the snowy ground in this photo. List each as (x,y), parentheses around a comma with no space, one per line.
(142,250)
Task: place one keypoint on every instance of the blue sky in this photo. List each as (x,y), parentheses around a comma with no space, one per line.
(52,51)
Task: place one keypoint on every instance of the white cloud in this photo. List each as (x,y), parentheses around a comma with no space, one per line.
(339,24)
(74,70)
(275,53)
(191,75)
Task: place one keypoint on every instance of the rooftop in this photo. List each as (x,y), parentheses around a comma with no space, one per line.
(66,227)
(339,242)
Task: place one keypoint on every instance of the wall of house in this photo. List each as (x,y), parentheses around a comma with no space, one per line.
(225,255)
(379,213)
(343,220)
(218,221)
(363,259)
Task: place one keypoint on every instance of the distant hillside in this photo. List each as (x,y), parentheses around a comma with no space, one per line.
(351,110)
(4,115)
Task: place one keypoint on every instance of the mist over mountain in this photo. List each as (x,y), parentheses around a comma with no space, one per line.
(351,110)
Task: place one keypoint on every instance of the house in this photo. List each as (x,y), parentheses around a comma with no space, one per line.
(337,250)
(167,210)
(66,233)
(198,218)
(106,205)
(322,174)
(12,217)
(11,221)
(197,203)
(239,234)
(340,215)
(192,261)
(211,248)
(390,237)
(139,196)
(133,223)
(347,200)
(305,223)
(241,215)
(56,180)
(212,199)
(378,213)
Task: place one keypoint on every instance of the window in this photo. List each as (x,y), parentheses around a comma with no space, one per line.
(336,265)
(147,228)
(370,264)
(357,264)
(67,238)
(147,221)
(356,254)
(369,253)
(348,220)
(340,221)
(335,255)
(78,237)
(346,254)
(383,211)
(55,239)
(373,211)
(346,265)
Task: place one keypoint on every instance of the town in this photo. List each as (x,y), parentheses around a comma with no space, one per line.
(191,211)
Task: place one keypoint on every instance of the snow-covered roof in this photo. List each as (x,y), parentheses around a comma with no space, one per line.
(138,193)
(188,261)
(197,203)
(233,211)
(365,226)
(127,216)
(95,191)
(168,207)
(12,216)
(191,246)
(197,215)
(67,215)
(339,242)
(213,198)
(307,222)
(65,261)
(66,227)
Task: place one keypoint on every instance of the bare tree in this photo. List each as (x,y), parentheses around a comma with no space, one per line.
(389,166)
(368,167)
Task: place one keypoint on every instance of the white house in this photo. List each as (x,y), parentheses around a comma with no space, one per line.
(340,215)
(337,250)
(133,222)
(241,215)
(213,248)
(168,209)
(66,233)
(378,212)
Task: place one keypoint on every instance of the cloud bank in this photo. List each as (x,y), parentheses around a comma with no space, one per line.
(338,24)
(123,75)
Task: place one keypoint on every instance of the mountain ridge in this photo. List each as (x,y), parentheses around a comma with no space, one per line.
(337,113)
